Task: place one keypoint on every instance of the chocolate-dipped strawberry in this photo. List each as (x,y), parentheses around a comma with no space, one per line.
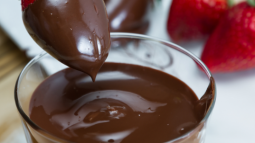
(76,32)
(128,15)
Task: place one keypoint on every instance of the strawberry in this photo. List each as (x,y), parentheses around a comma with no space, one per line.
(231,47)
(25,3)
(194,19)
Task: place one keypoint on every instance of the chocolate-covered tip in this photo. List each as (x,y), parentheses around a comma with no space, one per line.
(74,32)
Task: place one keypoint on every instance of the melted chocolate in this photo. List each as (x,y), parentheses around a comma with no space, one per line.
(76,32)
(127,104)
(129,15)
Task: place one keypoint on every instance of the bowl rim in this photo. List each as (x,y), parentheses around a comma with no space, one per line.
(121,35)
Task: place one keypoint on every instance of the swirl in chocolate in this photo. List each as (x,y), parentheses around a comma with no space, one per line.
(126,104)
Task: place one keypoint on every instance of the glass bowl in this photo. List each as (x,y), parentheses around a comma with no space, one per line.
(126,48)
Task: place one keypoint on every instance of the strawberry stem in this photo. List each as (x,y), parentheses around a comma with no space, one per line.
(251,2)
(230,3)
(233,2)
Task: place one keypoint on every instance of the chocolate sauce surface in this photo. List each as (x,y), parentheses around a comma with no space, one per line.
(126,104)
(76,32)
(129,15)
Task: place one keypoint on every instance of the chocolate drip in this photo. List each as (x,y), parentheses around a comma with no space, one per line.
(76,32)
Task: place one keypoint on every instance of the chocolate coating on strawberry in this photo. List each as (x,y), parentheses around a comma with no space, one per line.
(129,15)
(76,32)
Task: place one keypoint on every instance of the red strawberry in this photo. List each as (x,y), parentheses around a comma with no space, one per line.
(25,3)
(194,19)
(231,47)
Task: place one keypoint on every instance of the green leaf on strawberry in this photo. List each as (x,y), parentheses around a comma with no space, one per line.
(234,2)
(251,2)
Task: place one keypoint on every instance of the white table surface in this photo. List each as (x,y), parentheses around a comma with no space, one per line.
(233,118)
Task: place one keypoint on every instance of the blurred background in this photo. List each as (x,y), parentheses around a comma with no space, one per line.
(232,120)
